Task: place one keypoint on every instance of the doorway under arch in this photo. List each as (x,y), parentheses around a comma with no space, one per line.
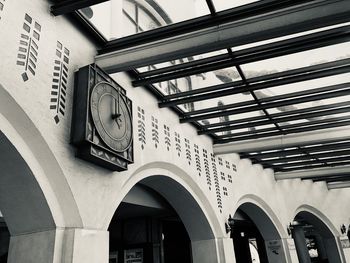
(256,236)
(172,226)
(314,240)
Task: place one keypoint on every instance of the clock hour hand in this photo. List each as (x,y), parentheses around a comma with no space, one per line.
(116,115)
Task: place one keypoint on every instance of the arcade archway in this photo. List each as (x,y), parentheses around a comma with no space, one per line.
(172,226)
(256,236)
(314,240)
(35,198)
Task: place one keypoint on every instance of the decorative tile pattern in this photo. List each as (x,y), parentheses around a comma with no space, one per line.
(59,82)
(198,159)
(220,161)
(216,182)
(223,178)
(178,143)
(224,190)
(234,168)
(206,168)
(155,132)
(167,139)
(141,127)
(188,151)
(27,56)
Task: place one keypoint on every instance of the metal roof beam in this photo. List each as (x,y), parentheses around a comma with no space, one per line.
(320,173)
(309,156)
(278,48)
(279,115)
(287,127)
(249,55)
(281,97)
(283,132)
(258,83)
(331,178)
(285,141)
(254,25)
(338,185)
(298,150)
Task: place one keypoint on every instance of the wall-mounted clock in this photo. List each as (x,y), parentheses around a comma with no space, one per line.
(102,120)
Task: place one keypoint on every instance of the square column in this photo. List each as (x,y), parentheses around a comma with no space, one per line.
(60,245)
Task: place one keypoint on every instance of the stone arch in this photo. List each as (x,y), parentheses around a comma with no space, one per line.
(329,235)
(264,212)
(190,203)
(319,218)
(34,193)
(269,226)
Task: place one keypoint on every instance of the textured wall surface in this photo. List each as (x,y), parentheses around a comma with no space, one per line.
(39,55)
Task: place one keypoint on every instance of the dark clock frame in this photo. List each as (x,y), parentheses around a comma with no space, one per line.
(84,136)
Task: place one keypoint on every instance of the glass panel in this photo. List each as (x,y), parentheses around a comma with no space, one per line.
(297,60)
(198,81)
(114,19)
(252,130)
(302,86)
(182,60)
(226,4)
(259,43)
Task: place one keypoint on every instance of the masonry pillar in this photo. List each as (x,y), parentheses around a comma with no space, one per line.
(300,244)
(60,245)
(322,254)
(213,251)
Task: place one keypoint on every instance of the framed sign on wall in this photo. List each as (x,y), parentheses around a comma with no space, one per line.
(133,255)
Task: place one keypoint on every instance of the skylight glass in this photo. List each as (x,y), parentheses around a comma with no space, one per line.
(115,19)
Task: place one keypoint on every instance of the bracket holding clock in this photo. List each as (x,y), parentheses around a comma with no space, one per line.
(102,127)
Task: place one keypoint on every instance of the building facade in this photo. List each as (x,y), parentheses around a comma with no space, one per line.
(178,201)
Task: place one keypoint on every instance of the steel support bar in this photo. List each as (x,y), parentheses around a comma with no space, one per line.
(331,178)
(305,163)
(278,115)
(338,185)
(260,26)
(308,167)
(308,157)
(288,127)
(278,48)
(281,97)
(263,82)
(324,172)
(285,132)
(284,120)
(255,54)
(284,141)
(298,150)
(270,105)
(272,76)
(69,6)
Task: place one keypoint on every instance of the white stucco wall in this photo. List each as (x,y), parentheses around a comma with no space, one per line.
(97,191)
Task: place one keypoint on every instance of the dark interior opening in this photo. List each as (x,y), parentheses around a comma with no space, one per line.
(145,228)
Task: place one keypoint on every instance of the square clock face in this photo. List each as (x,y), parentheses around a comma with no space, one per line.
(102,125)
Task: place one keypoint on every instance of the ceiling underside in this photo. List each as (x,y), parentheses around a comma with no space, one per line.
(263,70)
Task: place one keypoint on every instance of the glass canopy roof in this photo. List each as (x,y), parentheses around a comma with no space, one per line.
(290,84)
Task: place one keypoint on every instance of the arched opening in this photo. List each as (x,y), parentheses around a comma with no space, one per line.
(314,241)
(34,197)
(160,221)
(255,236)
(4,240)
(22,203)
